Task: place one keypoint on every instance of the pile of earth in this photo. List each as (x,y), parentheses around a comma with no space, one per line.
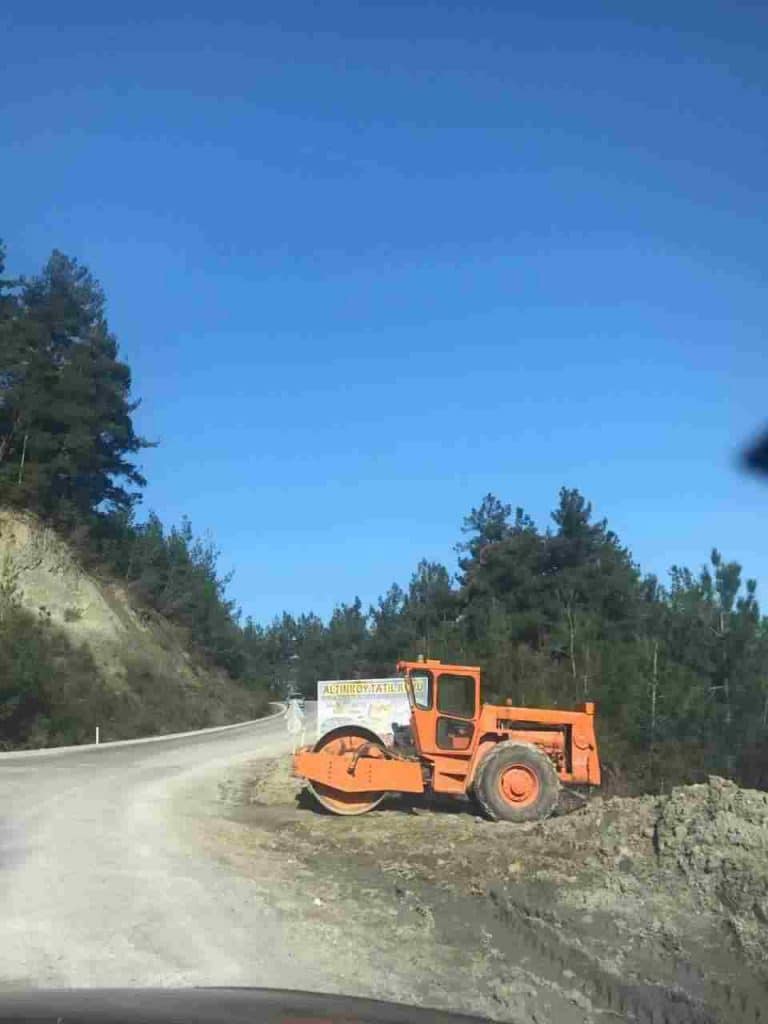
(716,835)
(649,908)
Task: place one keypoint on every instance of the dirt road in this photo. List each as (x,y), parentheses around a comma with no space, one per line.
(97,887)
(196,861)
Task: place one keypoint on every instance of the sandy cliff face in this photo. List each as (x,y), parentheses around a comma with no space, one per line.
(134,648)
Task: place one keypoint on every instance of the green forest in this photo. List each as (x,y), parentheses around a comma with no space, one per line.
(554,613)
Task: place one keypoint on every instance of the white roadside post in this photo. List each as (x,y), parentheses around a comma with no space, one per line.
(294,722)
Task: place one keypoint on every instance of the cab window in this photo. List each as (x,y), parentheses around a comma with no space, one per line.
(456,695)
(421,682)
(453,734)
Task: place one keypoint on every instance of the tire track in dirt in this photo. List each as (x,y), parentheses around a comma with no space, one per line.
(526,927)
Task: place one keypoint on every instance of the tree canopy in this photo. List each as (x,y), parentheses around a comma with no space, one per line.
(66,434)
(558,616)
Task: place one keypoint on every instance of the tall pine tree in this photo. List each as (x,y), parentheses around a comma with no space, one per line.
(66,429)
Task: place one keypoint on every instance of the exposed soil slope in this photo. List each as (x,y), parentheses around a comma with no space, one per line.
(644,909)
(146,678)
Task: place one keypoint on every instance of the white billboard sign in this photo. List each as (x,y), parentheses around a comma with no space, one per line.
(374,703)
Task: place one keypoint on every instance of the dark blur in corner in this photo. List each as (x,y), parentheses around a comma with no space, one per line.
(756,454)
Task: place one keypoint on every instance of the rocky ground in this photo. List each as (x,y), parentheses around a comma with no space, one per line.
(652,909)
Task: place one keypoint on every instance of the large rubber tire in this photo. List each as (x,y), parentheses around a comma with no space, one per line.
(517,782)
(344,741)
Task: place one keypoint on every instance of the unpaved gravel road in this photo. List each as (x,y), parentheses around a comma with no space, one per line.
(198,861)
(98,886)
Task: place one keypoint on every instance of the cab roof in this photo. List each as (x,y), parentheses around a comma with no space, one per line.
(435,663)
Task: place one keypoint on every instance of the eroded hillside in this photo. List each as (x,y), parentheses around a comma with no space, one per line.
(81,652)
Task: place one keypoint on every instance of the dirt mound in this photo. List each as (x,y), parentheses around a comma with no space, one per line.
(716,834)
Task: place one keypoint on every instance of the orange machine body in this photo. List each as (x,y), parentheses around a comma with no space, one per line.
(455,739)
(452,733)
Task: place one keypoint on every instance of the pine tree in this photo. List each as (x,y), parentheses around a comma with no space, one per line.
(66,430)
(431,609)
(392,635)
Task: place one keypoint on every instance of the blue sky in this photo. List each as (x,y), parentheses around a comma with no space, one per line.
(370,261)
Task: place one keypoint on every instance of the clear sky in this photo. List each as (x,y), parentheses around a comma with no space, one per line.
(369,261)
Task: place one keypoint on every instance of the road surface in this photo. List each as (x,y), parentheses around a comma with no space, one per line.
(98,886)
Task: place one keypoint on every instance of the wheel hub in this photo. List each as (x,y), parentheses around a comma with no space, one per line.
(519,785)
